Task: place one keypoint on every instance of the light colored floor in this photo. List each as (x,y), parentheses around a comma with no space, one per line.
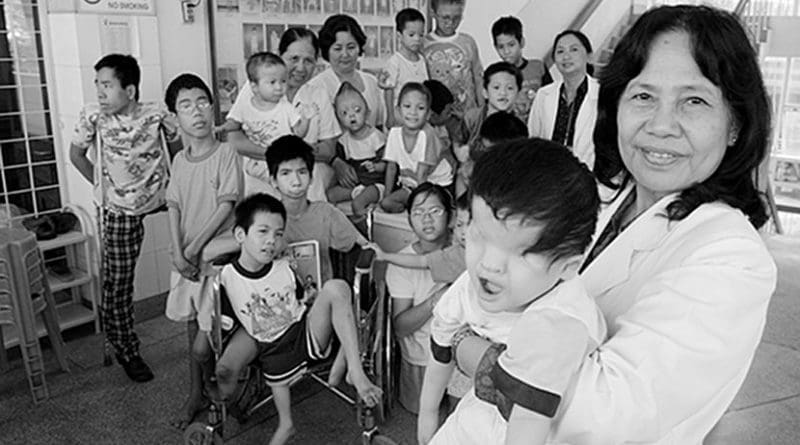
(97,405)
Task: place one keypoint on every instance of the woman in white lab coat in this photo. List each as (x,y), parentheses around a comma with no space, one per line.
(565,111)
(677,266)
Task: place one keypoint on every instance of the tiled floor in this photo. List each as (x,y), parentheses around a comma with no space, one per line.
(98,405)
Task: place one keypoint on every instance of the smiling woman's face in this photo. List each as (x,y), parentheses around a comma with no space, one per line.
(673,123)
(343,54)
(300,59)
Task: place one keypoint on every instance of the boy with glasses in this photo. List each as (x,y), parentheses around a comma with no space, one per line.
(205,186)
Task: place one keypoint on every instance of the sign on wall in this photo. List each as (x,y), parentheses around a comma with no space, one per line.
(127,7)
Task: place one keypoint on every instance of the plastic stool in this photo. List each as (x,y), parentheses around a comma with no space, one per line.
(23,283)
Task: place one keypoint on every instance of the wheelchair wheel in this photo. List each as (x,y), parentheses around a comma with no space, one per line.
(199,433)
(380,439)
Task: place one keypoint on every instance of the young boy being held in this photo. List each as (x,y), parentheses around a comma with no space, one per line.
(534,210)
(132,178)
(206,182)
(452,57)
(263,114)
(407,64)
(275,326)
(509,42)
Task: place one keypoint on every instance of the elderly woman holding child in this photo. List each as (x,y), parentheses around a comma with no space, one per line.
(676,267)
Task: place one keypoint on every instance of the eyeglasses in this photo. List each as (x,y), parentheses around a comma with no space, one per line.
(433,212)
(187,106)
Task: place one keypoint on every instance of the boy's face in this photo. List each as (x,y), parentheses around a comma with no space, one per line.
(111,96)
(411,36)
(351,110)
(509,48)
(460,227)
(504,275)
(195,115)
(501,91)
(413,110)
(271,84)
(448,16)
(437,119)
(262,241)
(292,179)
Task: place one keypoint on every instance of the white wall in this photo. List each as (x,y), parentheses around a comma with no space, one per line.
(783,37)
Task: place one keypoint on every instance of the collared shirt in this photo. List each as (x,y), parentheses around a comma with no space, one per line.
(564,130)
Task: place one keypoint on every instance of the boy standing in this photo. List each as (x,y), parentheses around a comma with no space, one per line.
(132,178)
(534,210)
(407,64)
(453,57)
(206,183)
(273,325)
(509,42)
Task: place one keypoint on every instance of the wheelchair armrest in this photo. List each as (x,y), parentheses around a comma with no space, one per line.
(365,258)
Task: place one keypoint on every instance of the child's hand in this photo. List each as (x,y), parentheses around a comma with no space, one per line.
(368,166)
(307,111)
(383,80)
(185,268)
(462,153)
(427,424)
(380,255)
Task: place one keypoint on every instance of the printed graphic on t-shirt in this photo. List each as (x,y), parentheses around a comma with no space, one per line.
(271,311)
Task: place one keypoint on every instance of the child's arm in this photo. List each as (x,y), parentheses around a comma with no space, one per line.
(423,170)
(437,375)
(477,73)
(306,112)
(184,267)
(229,126)
(408,318)
(525,427)
(245,147)
(390,177)
(407,260)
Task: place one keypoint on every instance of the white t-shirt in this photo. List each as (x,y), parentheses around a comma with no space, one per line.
(426,150)
(262,127)
(402,71)
(416,285)
(362,149)
(546,347)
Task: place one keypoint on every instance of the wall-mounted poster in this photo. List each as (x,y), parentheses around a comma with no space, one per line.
(367,7)
(398,5)
(272,6)
(228,5)
(313,7)
(228,87)
(350,6)
(274,33)
(331,6)
(371,47)
(383,8)
(253,39)
(387,41)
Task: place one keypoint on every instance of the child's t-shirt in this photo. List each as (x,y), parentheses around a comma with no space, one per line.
(401,71)
(266,302)
(545,346)
(199,184)
(135,170)
(328,225)
(534,76)
(357,151)
(416,285)
(426,150)
(262,127)
(447,264)
(453,60)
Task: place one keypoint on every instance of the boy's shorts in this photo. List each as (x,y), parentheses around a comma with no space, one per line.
(284,359)
(410,385)
(360,188)
(189,300)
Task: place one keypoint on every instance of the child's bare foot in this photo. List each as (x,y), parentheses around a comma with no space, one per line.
(189,411)
(367,391)
(338,369)
(282,435)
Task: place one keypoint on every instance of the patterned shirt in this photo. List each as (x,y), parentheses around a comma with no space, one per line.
(453,61)
(135,171)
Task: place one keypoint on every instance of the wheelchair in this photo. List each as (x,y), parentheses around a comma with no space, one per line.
(372,314)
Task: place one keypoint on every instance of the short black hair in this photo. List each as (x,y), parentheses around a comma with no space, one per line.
(502,126)
(405,16)
(429,188)
(502,67)
(435,3)
(414,86)
(245,212)
(585,42)
(261,59)
(295,33)
(440,95)
(126,69)
(340,23)
(287,148)
(723,53)
(462,202)
(508,25)
(544,184)
(185,81)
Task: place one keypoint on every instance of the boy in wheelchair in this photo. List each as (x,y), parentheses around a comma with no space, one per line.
(272,325)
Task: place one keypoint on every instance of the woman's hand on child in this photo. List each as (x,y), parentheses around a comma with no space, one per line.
(427,424)
(383,80)
(380,255)
(307,111)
